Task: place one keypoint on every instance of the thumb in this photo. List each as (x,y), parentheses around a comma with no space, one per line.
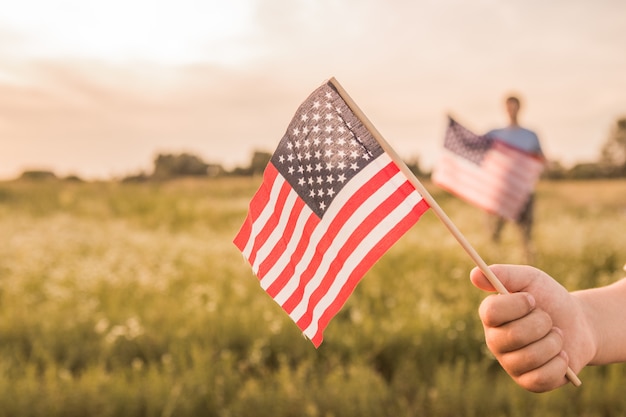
(515,278)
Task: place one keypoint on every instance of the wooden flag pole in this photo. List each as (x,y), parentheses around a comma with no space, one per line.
(493,279)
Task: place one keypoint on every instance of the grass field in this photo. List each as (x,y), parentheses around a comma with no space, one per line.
(131,300)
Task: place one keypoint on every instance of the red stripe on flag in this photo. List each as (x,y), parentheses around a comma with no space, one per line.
(256,206)
(244,233)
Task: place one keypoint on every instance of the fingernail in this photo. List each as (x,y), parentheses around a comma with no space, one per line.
(558,330)
(564,355)
(531,301)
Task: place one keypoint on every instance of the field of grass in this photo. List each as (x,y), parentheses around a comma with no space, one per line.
(131,300)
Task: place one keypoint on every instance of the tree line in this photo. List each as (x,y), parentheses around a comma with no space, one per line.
(610,164)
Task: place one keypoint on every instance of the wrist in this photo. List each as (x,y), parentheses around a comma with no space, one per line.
(603,315)
(589,322)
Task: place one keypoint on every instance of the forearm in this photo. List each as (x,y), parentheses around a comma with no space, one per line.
(605,310)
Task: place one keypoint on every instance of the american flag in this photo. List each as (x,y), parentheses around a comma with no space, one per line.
(486,172)
(331,203)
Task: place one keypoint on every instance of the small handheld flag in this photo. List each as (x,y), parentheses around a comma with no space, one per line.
(331,203)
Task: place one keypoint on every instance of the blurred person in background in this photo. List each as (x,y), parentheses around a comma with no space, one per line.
(541,328)
(528,141)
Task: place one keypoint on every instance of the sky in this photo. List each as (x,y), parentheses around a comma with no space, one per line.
(99,88)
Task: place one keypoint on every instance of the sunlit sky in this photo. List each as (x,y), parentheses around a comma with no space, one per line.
(98,88)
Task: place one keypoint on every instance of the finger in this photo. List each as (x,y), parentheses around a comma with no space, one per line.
(547,377)
(514,277)
(534,355)
(480,281)
(518,334)
(496,310)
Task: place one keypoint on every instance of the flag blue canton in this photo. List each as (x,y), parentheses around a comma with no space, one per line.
(464,143)
(324,147)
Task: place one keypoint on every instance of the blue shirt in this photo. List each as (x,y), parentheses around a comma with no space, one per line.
(519,138)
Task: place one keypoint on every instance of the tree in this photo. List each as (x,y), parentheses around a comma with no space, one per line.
(614,150)
(170,166)
(259,161)
(414,166)
(38,175)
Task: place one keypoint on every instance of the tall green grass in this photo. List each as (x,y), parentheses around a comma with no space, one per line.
(131,300)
